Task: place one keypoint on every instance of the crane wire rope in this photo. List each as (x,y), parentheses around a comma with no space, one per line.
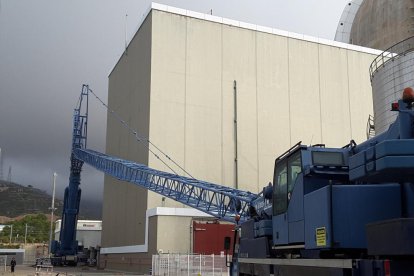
(142,140)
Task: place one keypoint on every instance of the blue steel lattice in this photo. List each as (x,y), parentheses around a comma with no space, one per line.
(219,201)
(80,128)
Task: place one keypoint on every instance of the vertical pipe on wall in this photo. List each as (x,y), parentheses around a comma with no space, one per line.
(126,34)
(236,169)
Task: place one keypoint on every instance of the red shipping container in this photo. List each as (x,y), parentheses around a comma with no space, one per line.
(208,238)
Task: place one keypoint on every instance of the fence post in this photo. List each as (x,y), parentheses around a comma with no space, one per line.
(200,265)
(228,268)
(159,264)
(188,264)
(213,264)
(168,264)
(179,265)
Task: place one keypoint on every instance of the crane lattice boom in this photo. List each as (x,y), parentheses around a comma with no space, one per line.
(219,201)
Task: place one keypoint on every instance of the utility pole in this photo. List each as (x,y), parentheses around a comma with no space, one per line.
(9,175)
(53,210)
(25,235)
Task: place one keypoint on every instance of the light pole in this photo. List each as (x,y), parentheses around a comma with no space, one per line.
(11,233)
(53,210)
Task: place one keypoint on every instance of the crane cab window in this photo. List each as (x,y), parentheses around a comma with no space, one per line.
(286,173)
(326,158)
(280,190)
(294,169)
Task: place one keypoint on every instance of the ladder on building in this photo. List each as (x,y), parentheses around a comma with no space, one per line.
(370,127)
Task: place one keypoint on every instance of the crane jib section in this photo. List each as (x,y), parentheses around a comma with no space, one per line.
(222,202)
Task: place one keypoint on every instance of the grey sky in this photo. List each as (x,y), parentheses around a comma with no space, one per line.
(49,48)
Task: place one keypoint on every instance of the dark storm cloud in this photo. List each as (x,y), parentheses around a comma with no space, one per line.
(48,49)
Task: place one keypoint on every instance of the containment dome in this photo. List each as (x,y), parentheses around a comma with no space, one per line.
(379,24)
(386,25)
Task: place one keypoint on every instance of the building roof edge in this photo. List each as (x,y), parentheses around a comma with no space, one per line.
(244,25)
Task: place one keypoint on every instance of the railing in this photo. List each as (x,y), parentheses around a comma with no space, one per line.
(189,265)
(395,51)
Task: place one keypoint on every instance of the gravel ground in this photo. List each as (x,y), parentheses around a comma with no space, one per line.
(23,270)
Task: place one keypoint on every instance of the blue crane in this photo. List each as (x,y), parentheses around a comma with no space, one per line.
(336,211)
(221,202)
(339,211)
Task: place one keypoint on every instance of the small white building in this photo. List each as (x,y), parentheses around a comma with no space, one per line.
(7,254)
(88,232)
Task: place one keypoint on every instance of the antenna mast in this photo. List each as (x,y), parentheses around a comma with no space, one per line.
(9,176)
(126,33)
(1,166)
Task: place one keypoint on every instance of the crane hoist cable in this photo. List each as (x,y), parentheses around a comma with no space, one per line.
(141,139)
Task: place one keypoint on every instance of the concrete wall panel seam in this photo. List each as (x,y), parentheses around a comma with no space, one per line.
(289,99)
(319,94)
(349,95)
(257,119)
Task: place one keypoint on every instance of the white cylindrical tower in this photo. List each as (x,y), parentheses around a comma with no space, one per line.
(391,72)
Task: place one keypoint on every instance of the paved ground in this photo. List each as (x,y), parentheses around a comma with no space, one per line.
(23,270)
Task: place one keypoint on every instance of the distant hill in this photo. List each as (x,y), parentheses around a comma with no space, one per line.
(90,209)
(17,200)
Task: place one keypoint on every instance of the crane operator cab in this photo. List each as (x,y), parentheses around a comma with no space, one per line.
(313,201)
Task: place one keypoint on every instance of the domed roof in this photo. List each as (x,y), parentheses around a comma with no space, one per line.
(379,24)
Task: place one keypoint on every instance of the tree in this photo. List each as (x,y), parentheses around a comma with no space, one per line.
(38,228)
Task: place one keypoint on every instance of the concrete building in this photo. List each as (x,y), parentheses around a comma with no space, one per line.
(376,24)
(175,84)
(6,256)
(88,232)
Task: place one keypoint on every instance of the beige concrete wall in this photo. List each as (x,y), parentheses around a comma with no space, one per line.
(136,263)
(129,95)
(174,234)
(359,96)
(288,90)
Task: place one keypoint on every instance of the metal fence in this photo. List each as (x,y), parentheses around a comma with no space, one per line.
(3,263)
(190,265)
